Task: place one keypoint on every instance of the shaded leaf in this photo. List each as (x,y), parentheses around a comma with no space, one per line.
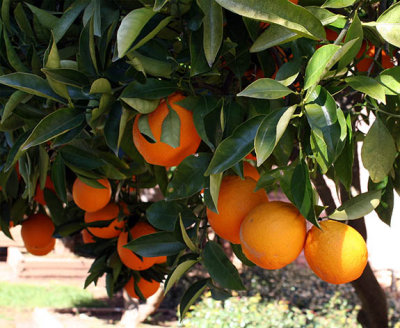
(265,89)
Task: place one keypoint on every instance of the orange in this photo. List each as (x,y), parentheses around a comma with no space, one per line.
(160,153)
(386,60)
(91,199)
(129,258)
(236,198)
(39,194)
(251,157)
(250,171)
(37,231)
(147,288)
(160,259)
(109,212)
(42,251)
(337,253)
(364,64)
(273,234)
(87,237)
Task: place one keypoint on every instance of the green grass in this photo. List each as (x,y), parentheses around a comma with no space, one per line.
(25,296)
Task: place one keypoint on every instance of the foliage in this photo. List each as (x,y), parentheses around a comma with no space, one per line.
(259,77)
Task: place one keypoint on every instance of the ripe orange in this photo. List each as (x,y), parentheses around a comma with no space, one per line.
(129,258)
(91,199)
(364,64)
(386,60)
(160,153)
(273,234)
(160,259)
(147,288)
(236,198)
(336,253)
(250,171)
(39,194)
(37,231)
(109,212)
(42,251)
(87,237)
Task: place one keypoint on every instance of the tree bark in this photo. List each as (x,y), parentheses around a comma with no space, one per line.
(374,312)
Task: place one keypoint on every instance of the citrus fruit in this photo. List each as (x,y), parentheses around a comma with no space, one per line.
(160,259)
(160,153)
(273,234)
(369,51)
(91,199)
(129,258)
(43,250)
(37,231)
(147,288)
(250,171)
(386,60)
(108,212)
(39,194)
(87,237)
(337,253)
(236,198)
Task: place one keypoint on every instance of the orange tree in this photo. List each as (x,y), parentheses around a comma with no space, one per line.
(102,99)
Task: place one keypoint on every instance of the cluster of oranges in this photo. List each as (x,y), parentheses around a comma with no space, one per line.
(273,233)
(98,207)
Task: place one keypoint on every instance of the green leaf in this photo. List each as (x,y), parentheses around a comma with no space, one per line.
(132,26)
(367,85)
(288,72)
(101,85)
(273,36)
(163,215)
(321,109)
(179,271)
(152,66)
(390,79)
(188,178)
(171,128)
(58,178)
(67,76)
(81,158)
(284,13)
(302,192)
(338,3)
(15,152)
(378,151)
(31,84)
(68,17)
(388,25)
(111,128)
(143,106)
(232,149)
(16,98)
(270,132)
(201,106)
(265,89)
(355,32)
(159,4)
(198,59)
(219,267)
(156,244)
(151,89)
(189,243)
(5,13)
(12,56)
(358,206)
(54,125)
(212,27)
(23,22)
(385,207)
(45,18)
(191,295)
(317,64)
(237,249)
(344,163)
